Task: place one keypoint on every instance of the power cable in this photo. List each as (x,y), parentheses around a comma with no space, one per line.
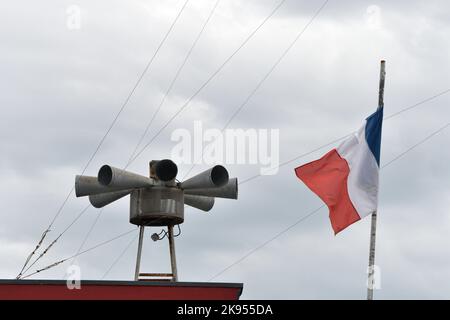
(80,253)
(119,257)
(25,269)
(215,73)
(178,72)
(409,108)
(175,78)
(44,234)
(264,243)
(266,76)
(322,206)
(342,138)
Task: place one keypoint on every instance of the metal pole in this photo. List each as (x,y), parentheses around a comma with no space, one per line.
(173,259)
(373,226)
(139,253)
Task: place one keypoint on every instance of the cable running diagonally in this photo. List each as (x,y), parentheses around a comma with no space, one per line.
(405,109)
(251,252)
(180,68)
(213,75)
(78,254)
(265,77)
(172,83)
(102,140)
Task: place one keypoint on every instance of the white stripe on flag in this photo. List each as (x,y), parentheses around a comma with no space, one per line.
(363,179)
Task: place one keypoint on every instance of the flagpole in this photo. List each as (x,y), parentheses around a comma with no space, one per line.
(373,226)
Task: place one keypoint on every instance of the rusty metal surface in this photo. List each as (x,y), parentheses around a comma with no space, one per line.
(139,252)
(157,206)
(155,274)
(173,259)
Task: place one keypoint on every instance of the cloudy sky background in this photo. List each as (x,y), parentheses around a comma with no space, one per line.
(61,89)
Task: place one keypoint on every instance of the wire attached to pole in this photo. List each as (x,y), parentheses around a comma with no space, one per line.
(76,255)
(32,253)
(19,276)
(102,140)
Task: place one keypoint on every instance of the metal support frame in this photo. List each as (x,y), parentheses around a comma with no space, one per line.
(173,259)
(139,253)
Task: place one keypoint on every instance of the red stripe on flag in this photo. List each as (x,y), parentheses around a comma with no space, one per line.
(327,177)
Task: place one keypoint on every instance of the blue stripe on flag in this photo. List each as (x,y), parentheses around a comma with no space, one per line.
(373,133)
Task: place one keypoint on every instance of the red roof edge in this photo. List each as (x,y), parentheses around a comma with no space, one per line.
(117,290)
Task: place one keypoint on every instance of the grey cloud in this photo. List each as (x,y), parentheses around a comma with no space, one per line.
(62,88)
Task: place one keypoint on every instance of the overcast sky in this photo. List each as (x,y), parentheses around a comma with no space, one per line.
(62,87)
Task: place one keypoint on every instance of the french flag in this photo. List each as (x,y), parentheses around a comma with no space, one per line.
(346,178)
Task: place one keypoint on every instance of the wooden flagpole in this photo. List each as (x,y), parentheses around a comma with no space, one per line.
(373,226)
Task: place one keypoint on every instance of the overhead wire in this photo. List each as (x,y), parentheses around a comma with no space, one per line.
(116,117)
(134,154)
(210,78)
(25,269)
(91,229)
(172,83)
(134,157)
(78,254)
(418,104)
(251,252)
(120,256)
(309,214)
(395,114)
(416,145)
(87,235)
(266,75)
(192,97)
(405,109)
(177,74)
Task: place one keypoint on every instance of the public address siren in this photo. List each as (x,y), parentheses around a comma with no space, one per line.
(157,200)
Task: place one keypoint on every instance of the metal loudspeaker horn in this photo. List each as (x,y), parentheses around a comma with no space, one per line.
(157,199)
(121,179)
(228,191)
(199,202)
(110,185)
(164,170)
(86,185)
(215,177)
(103,199)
